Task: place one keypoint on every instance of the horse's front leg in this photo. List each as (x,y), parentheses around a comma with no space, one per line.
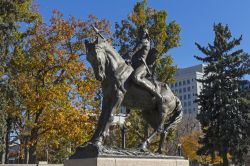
(111,102)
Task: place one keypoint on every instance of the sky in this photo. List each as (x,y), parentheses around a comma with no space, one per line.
(196,18)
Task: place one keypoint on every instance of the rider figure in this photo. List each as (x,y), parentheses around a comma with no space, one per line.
(138,57)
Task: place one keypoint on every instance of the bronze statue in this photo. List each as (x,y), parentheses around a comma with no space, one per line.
(127,85)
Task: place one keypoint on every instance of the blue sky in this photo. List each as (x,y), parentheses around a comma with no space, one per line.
(196,18)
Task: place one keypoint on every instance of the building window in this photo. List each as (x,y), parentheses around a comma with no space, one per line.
(194,109)
(185,104)
(189,96)
(180,90)
(188,89)
(189,110)
(180,97)
(180,83)
(185,97)
(184,89)
(175,84)
(189,103)
(192,87)
(188,81)
(184,82)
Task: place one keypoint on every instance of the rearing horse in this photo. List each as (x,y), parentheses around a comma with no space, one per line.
(119,89)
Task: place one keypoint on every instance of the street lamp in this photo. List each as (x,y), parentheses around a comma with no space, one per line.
(119,119)
(179,149)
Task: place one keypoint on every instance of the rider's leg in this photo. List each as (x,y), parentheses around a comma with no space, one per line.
(139,78)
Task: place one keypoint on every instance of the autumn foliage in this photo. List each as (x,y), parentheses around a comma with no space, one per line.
(56,103)
(190,147)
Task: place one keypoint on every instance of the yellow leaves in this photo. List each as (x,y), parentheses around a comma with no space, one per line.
(55,90)
(139,16)
(190,146)
(66,124)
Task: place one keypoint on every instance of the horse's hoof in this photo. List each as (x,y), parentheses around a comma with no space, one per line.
(143,148)
(161,151)
(86,144)
(158,152)
(92,144)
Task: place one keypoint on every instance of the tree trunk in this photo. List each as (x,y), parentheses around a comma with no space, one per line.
(3,150)
(26,152)
(32,148)
(3,157)
(32,155)
(3,137)
(34,138)
(225,159)
(7,140)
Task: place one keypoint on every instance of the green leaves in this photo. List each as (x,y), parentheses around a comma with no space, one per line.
(222,112)
(165,69)
(163,36)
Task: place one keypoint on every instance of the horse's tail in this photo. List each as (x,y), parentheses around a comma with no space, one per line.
(176,115)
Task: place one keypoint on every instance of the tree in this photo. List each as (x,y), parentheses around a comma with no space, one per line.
(190,146)
(57,90)
(135,131)
(187,125)
(164,36)
(13,13)
(223,122)
(2,136)
(48,91)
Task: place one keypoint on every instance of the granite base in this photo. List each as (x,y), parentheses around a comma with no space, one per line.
(120,161)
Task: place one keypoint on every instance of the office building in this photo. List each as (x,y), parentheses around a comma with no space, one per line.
(187,87)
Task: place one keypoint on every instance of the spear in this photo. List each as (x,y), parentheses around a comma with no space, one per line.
(98,32)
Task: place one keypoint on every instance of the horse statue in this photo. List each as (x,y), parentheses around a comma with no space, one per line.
(119,90)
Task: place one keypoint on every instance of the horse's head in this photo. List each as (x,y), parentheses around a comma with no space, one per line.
(97,57)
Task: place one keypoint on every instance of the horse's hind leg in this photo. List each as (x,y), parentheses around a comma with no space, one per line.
(159,128)
(175,118)
(148,140)
(152,137)
(162,143)
(162,129)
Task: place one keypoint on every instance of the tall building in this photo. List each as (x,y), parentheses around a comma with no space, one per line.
(187,87)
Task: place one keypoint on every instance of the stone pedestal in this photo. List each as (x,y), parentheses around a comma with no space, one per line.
(123,161)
